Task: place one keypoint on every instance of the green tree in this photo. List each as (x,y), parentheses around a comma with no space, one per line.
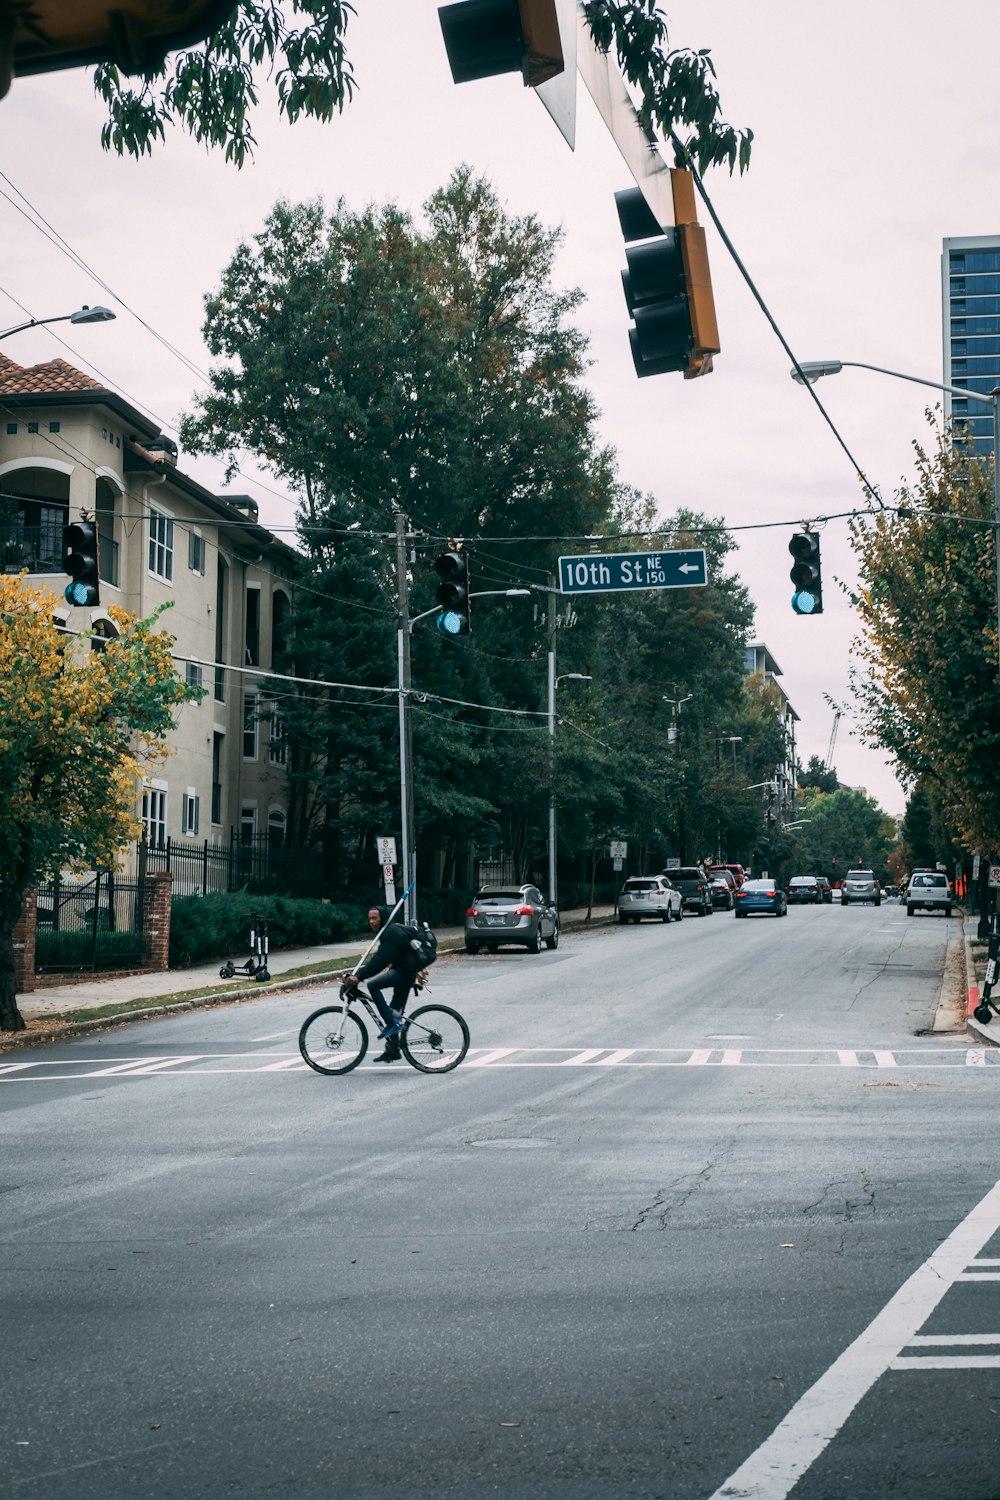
(816,774)
(928,692)
(211,91)
(843,829)
(78,728)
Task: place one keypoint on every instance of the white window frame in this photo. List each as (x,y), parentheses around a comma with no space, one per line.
(154,814)
(160,555)
(190,813)
(277,745)
(196,552)
(193,674)
(251,731)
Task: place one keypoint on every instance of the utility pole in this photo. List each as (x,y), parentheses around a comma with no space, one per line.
(409,853)
(551,622)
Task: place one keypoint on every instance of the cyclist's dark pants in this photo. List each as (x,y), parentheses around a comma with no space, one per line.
(400,986)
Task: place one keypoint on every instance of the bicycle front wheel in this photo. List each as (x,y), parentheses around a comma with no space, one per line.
(332,1041)
(435,1039)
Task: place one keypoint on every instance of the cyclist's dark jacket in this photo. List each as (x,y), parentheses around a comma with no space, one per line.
(392,952)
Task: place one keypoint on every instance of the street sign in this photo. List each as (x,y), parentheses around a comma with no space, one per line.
(387,874)
(607,572)
(617,863)
(995,875)
(387,851)
(619,849)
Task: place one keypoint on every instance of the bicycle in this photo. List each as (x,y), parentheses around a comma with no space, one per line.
(334,1039)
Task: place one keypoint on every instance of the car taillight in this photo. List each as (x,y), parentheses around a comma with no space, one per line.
(697,885)
(524,911)
(472,911)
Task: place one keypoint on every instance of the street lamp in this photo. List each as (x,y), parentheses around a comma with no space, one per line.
(83,315)
(809,373)
(728,739)
(676,704)
(554,682)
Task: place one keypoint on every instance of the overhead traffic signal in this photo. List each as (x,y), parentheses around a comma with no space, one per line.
(806,574)
(487,37)
(81,563)
(453,593)
(668,284)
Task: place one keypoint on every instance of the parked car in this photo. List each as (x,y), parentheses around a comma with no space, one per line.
(736,871)
(511,914)
(826,889)
(761,895)
(928,890)
(804,888)
(650,896)
(723,889)
(693,883)
(860,885)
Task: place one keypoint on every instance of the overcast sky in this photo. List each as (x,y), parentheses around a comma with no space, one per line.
(877,133)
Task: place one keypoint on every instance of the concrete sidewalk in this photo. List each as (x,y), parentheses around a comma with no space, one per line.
(328,959)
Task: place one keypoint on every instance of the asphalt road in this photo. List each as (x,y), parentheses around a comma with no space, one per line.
(701,1215)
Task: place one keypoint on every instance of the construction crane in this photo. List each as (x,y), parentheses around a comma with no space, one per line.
(833,739)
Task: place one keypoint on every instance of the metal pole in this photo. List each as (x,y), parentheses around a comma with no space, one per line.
(553,891)
(405,741)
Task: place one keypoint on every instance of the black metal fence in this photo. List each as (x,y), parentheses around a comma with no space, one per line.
(89,924)
(253,864)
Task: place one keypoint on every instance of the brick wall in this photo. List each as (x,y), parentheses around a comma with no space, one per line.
(156,921)
(24,945)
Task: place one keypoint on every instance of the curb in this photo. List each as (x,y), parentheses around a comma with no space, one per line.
(59,1030)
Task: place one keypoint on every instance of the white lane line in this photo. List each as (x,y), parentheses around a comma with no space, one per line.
(276,1036)
(954,1339)
(616,1057)
(947,1362)
(287,1065)
(578,1058)
(16,1067)
(489,1057)
(814,1421)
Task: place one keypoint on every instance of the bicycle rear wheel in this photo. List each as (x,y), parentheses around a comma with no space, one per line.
(435,1039)
(323,1049)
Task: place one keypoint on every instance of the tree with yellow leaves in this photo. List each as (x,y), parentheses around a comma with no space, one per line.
(928,691)
(78,727)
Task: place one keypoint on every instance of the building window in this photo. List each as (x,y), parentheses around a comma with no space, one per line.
(192,674)
(248,823)
(253,628)
(276,824)
(196,553)
(217,740)
(161,546)
(277,748)
(32,426)
(189,812)
(251,727)
(55,426)
(11,428)
(154,817)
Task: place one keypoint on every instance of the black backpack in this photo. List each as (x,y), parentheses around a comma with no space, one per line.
(423,943)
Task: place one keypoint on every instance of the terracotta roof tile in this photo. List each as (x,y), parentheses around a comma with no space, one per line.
(43,380)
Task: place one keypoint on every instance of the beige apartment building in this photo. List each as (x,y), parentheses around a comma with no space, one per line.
(69,447)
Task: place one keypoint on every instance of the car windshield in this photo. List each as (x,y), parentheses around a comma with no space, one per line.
(501,898)
(758,885)
(861,875)
(687,874)
(803,880)
(929,880)
(642,885)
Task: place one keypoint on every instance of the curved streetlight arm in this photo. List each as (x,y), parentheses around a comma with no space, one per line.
(480,594)
(83,315)
(816,369)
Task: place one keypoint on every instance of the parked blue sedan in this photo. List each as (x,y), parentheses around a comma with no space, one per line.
(761,895)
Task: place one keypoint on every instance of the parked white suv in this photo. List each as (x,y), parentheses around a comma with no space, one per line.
(928,890)
(650,896)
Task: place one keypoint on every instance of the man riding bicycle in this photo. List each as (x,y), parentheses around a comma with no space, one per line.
(394,955)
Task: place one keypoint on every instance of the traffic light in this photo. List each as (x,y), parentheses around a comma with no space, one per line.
(668,284)
(485,37)
(80,562)
(806,574)
(453,594)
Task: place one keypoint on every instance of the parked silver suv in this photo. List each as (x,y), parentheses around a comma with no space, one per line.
(928,890)
(511,914)
(860,885)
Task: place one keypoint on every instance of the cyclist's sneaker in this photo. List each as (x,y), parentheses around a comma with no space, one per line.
(391,1052)
(391,1030)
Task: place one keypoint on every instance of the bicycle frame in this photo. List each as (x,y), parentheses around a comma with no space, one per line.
(367,1004)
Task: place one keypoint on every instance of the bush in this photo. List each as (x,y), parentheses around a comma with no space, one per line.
(205,928)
